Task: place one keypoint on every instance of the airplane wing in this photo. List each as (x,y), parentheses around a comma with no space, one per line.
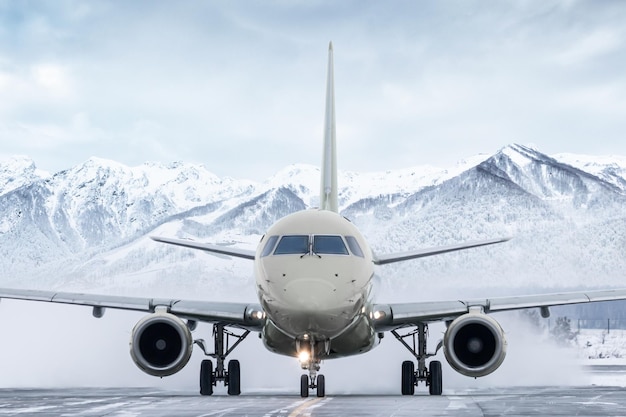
(392,316)
(238,314)
(215,249)
(421,253)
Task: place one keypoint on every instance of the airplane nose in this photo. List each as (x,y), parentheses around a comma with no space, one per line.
(310,294)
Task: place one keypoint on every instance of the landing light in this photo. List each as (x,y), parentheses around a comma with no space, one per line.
(254,314)
(377,315)
(304,356)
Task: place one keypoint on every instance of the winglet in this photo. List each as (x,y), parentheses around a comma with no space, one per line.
(328,188)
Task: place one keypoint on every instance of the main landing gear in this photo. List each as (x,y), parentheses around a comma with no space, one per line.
(431,375)
(230,376)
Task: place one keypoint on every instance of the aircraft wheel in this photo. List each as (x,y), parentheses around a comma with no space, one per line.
(408,378)
(206,377)
(321,386)
(234,379)
(435,379)
(304,386)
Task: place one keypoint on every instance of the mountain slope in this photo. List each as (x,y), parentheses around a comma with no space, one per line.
(87,227)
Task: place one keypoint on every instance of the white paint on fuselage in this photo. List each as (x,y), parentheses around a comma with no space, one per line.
(320,296)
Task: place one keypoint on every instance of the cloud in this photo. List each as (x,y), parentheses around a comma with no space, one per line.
(241,89)
(590,46)
(53,78)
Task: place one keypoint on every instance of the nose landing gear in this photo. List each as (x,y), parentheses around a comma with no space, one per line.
(309,356)
(312,381)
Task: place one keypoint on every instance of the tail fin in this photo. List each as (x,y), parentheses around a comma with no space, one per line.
(328,189)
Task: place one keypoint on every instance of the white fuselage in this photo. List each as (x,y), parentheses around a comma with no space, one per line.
(314,277)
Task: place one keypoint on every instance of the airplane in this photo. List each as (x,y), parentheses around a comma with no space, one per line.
(313,272)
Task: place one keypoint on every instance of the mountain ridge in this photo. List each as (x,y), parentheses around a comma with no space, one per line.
(87,227)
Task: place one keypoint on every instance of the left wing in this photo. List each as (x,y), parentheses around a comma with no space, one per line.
(239,314)
(392,316)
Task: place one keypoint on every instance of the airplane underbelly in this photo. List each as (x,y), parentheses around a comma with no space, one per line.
(357,338)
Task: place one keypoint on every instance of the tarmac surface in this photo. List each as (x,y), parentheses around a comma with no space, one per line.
(522,401)
(606,398)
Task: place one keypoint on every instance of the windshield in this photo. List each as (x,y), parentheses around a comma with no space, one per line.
(329,245)
(354,246)
(314,245)
(269,246)
(297,244)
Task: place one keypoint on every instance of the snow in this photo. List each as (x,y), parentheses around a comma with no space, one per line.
(18,171)
(87,228)
(611,168)
(87,225)
(602,346)
(517,154)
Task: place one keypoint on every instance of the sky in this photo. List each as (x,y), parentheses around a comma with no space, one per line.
(239,86)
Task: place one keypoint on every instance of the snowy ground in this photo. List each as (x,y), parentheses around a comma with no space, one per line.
(604,354)
(599,346)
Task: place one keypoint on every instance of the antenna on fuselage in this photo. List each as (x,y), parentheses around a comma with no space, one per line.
(328,189)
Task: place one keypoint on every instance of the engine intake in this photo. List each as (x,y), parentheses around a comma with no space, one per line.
(474,344)
(161,344)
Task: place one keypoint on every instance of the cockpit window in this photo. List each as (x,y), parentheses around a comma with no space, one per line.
(292,245)
(269,246)
(354,246)
(329,245)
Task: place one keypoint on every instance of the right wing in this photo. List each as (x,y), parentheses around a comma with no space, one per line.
(246,315)
(215,249)
(421,253)
(394,315)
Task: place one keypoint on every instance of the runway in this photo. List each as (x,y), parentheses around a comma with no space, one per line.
(533,401)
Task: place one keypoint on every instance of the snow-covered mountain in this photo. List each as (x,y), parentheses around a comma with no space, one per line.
(88,227)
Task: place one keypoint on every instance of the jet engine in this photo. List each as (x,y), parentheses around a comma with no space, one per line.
(474,344)
(161,344)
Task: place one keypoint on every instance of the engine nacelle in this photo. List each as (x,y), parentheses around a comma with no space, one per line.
(474,344)
(161,344)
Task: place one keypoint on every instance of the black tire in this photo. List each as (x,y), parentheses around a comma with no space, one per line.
(321,386)
(435,383)
(304,386)
(206,377)
(234,378)
(408,378)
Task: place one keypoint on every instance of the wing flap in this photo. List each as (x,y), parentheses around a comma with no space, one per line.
(390,316)
(548,300)
(92,300)
(387,317)
(239,314)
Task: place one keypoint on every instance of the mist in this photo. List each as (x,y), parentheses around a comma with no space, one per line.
(57,346)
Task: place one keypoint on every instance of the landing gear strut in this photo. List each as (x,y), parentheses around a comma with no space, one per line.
(431,375)
(231,375)
(309,352)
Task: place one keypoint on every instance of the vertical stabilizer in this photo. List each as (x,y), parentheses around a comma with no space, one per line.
(328,190)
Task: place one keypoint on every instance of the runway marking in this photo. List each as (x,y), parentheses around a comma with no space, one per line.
(218,413)
(282,411)
(305,406)
(456,403)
